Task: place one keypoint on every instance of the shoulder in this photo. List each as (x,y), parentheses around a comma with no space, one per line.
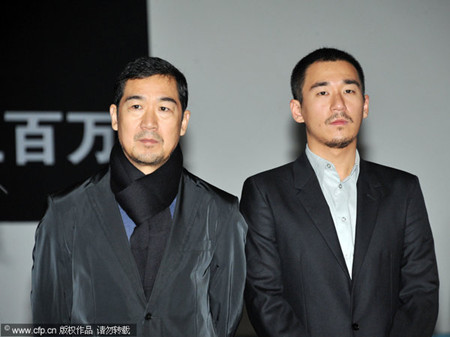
(201,186)
(274,175)
(218,205)
(270,182)
(75,193)
(385,174)
(65,204)
(389,180)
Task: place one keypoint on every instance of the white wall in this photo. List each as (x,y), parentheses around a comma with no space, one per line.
(238,54)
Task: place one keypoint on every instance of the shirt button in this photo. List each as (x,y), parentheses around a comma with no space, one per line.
(340,186)
(328,165)
(355,326)
(344,219)
(148,316)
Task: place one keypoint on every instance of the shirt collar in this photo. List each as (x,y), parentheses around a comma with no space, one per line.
(319,165)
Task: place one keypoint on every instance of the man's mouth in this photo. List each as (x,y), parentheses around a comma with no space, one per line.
(148,141)
(148,138)
(340,122)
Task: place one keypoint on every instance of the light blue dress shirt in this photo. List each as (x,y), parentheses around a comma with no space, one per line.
(341,199)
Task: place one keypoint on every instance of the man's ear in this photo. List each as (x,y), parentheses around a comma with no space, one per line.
(113,114)
(296,110)
(185,122)
(366,106)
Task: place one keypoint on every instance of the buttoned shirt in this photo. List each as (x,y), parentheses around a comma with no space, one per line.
(341,199)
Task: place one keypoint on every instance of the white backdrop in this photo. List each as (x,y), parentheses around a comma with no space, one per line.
(237,56)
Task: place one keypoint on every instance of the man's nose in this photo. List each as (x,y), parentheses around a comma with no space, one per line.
(149,120)
(337,103)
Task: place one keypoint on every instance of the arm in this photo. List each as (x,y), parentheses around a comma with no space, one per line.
(268,310)
(51,274)
(418,297)
(227,276)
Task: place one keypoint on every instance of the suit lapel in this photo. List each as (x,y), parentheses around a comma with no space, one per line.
(369,192)
(311,197)
(189,199)
(110,220)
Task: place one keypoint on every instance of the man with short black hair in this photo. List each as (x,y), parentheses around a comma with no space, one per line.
(337,246)
(145,242)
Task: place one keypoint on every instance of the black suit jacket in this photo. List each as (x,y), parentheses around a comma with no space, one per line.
(297,280)
(84,271)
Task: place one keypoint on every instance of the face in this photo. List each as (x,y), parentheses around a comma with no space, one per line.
(149,121)
(333,105)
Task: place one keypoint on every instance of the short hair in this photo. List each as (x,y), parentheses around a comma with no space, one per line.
(147,66)
(321,55)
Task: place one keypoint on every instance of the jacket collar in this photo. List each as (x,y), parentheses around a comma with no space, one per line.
(370,192)
(110,221)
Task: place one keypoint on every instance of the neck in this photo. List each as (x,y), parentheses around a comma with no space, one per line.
(342,159)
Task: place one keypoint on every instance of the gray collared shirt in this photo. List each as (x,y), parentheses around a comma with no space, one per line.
(341,199)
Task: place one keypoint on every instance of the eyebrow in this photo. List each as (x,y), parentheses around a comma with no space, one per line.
(161,99)
(319,84)
(325,83)
(129,98)
(353,82)
(167,99)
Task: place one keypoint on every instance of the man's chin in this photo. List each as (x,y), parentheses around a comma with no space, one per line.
(149,160)
(339,143)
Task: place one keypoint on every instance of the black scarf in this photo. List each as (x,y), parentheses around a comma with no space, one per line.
(146,199)
(143,196)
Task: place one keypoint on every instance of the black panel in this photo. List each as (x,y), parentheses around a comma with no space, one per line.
(61,59)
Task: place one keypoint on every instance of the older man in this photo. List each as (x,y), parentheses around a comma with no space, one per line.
(145,243)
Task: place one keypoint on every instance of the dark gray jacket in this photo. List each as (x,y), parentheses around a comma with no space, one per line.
(84,271)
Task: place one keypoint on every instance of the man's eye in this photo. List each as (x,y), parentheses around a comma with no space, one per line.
(322,93)
(349,91)
(163,108)
(136,106)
